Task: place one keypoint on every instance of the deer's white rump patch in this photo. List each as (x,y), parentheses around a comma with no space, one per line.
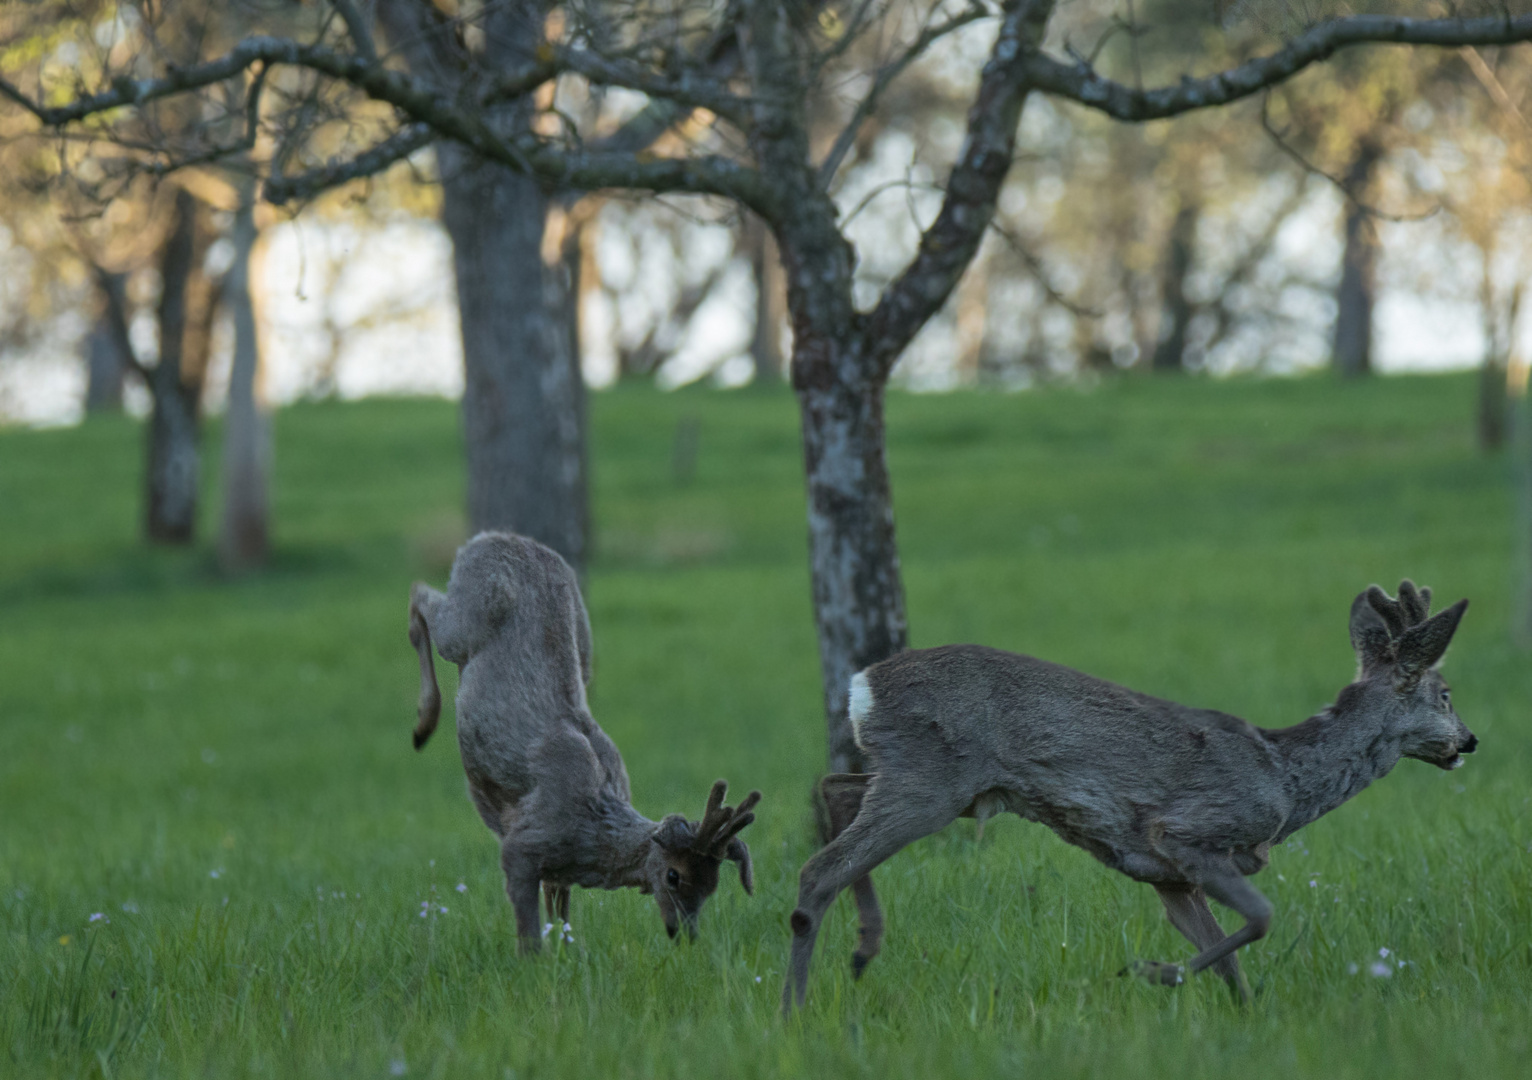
(860,704)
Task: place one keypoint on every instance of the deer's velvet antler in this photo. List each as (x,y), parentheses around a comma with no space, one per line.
(720,823)
(1411,609)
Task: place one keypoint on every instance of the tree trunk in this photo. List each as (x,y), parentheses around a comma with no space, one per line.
(105,368)
(853,557)
(523,398)
(770,302)
(243,536)
(1499,338)
(1355,296)
(1492,402)
(175,382)
(1175,309)
(1520,393)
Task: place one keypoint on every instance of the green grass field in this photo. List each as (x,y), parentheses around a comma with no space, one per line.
(222,769)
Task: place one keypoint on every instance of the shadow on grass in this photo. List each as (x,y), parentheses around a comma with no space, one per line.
(145,571)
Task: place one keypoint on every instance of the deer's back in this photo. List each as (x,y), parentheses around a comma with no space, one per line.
(522,716)
(1129,777)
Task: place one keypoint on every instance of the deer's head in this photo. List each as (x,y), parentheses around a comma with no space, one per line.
(684,856)
(1399,644)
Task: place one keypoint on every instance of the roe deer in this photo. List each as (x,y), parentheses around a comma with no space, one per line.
(1187,800)
(542,774)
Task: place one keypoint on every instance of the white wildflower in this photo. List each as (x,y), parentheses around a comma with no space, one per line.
(461,887)
(547,928)
(1380,970)
(396,1067)
(98,917)
(1383,953)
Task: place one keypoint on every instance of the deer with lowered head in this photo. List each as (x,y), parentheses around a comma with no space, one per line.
(1188,800)
(543,775)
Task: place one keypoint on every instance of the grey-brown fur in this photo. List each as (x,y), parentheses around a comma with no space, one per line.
(1187,800)
(542,774)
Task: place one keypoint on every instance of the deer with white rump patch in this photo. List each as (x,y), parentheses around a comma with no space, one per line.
(1187,800)
(542,774)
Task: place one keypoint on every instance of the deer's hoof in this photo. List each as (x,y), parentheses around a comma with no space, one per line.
(859,964)
(1156,973)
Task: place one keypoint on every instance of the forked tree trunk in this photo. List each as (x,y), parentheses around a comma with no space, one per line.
(1357,292)
(186,305)
(1175,309)
(243,537)
(523,398)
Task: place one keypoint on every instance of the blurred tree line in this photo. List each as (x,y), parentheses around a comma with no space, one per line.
(950,183)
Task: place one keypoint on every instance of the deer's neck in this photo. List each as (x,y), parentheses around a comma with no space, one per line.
(621,844)
(1331,757)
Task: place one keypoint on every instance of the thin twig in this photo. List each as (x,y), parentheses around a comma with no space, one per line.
(1345,189)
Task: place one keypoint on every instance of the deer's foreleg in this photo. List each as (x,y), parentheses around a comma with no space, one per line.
(1232,890)
(892,815)
(522,878)
(1189,913)
(556,897)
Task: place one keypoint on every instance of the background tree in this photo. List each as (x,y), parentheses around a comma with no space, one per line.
(759,153)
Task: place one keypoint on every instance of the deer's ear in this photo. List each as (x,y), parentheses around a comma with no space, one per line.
(739,853)
(1369,633)
(674,833)
(1422,646)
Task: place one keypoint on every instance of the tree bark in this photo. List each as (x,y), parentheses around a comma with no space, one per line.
(175,382)
(770,302)
(105,368)
(1176,310)
(244,535)
(853,555)
(1355,296)
(523,398)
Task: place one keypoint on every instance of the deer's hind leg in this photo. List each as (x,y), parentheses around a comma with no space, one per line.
(843,799)
(892,815)
(1188,911)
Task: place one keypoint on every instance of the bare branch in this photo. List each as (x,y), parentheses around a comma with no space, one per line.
(886,75)
(280,190)
(1345,188)
(357,26)
(697,89)
(1082,83)
(1492,85)
(949,244)
(1040,273)
(447,117)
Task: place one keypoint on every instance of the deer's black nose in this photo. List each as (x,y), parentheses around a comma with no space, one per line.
(1471,745)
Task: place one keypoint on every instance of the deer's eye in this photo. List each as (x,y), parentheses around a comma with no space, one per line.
(672,878)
